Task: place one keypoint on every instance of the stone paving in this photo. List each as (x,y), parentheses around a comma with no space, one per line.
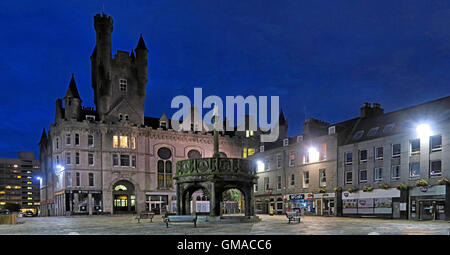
(269,225)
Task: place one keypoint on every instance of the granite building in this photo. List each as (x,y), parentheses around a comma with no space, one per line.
(113,159)
(19,183)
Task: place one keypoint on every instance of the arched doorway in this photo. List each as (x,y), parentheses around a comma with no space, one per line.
(124,197)
(232,202)
(196,200)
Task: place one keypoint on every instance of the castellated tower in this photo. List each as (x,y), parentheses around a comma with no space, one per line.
(119,81)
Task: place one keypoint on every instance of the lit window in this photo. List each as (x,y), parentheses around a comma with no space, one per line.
(247,133)
(115,141)
(17,187)
(260,166)
(29,188)
(18,177)
(244,153)
(251,151)
(133,142)
(124,142)
(123,84)
(29,183)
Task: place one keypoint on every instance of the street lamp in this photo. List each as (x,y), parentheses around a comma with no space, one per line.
(60,167)
(260,166)
(423,130)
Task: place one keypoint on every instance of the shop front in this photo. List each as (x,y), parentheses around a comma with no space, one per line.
(382,203)
(429,203)
(325,203)
(302,202)
(159,203)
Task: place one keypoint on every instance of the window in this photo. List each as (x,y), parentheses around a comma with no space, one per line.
(90,117)
(67,139)
(163,124)
(415,146)
(348,177)
(77,139)
(57,142)
(299,138)
(436,142)
(120,116)
(348,158)
(115,159)
(90,140)
(123,142)
(363,176)
(322,178)
(133,161)
(292,180)
(77,158)
(279,161)
(57,159)
(363,155)
(373,131)
(285,142)
(358,135)
(379,153)
(396,149)
(244,153)
(123,84)
(124,160)
(388,128)
(91,179)
(261,148)
(278,182)
(251,151)
(91,158)
(291,158)
(395,172)
(133,142)
(306,179)
(69,179)
(378,174)
(414,170)
(247,133)
(164,167)
(194,154)
(266,183)
(331,130)
(256,187)
(115,141)
(67,158)
(77,179)
(435,168)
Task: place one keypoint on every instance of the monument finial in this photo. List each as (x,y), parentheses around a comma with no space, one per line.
(216,133)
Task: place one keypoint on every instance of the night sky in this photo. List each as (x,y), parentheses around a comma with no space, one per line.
(323,58)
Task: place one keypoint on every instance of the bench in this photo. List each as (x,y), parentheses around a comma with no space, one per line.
(293,216)
(145,215)
(181,218)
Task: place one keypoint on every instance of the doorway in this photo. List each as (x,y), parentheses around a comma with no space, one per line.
(124,198)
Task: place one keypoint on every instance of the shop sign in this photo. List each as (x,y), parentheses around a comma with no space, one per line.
(297,196)
(437,190)
(324,195)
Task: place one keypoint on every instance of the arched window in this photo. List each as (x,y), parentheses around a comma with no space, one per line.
(165,168)
(120,188)
(194,154)
(223,155)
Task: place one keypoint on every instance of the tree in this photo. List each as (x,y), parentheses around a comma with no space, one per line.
(232,195)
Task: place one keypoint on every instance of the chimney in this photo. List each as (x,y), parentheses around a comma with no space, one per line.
(377,110)
(366,110)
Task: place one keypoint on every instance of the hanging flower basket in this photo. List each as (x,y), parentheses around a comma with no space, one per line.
(322,190)
(351,190)
(402,186)
(384,186)
(422,183)
(443,181)
(367,188)
(338,189)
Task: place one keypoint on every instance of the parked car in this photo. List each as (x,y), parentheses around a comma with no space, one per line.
(28,214)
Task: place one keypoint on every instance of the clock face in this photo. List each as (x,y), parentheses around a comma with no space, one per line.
(164,153)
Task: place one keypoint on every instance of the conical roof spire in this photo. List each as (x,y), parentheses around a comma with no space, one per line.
(141,44)
(43,137)
(72,91)
(281,119)
(132,54)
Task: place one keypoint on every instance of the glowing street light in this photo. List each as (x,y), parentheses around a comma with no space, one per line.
(60,167)
(260,166)
(38,178)
(423,130)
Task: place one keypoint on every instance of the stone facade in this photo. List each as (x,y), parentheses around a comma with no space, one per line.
(114,159)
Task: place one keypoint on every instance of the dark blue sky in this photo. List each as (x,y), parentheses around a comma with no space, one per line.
(323,58)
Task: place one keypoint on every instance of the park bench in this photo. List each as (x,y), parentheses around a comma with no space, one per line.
(145,215)
(181,218)
(293,216)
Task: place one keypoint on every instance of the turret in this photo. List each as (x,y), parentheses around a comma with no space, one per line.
(58,111)
(72,101)
(101,63)
(141,66)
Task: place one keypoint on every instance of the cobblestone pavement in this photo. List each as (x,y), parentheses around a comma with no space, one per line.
(270,225)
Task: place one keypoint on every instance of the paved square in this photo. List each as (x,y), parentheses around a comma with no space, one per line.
(269,225)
